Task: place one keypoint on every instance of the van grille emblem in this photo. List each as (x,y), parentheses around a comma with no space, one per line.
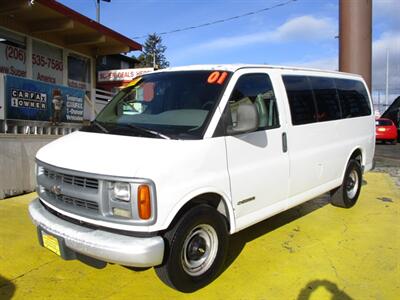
(56,189)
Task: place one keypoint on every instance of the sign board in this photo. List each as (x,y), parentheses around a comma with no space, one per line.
(122,75)
(12,60)
(79,84)
(35,100)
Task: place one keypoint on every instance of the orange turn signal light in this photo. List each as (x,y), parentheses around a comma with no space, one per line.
(144,202)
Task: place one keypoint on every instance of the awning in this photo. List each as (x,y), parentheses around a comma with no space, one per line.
(53,22)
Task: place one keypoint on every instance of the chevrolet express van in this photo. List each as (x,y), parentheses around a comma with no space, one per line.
(184,157)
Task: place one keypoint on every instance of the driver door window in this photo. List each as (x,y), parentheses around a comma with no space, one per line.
(255,89)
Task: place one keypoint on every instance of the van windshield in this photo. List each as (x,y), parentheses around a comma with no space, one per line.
(164,105)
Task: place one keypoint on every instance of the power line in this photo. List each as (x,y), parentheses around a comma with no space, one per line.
(220,20)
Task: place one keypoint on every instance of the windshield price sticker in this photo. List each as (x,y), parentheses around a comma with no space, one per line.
(134,81)
(217,77)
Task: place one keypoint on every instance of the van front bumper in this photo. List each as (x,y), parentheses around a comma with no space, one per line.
(97,243)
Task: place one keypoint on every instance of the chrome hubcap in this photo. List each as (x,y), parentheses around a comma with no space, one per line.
(352,184)
(199,250)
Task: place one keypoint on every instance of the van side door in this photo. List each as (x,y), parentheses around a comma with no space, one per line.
(258,162)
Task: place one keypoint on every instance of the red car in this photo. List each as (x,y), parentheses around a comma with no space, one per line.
(386,131)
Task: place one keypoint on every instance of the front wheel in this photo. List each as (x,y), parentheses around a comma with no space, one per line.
(347,194)
(196,248)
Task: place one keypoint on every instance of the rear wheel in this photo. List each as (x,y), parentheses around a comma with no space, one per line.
(394,142)
(347,194)
(196,248)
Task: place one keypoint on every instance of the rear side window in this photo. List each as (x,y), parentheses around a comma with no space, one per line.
(383,123)
(353,98)
(326,98)
(301,100)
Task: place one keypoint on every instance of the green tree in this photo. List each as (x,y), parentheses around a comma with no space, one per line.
(153,52)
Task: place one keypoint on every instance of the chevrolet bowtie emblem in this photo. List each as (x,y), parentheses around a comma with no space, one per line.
(56,189)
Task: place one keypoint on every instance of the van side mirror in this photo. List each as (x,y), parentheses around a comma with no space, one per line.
(246,119)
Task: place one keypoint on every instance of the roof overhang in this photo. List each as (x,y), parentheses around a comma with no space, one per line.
(53,22)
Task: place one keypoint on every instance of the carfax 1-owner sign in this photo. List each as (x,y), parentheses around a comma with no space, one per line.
(34,100)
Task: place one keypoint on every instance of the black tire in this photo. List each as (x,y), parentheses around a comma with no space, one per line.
(394,142)
(347,194)
(191,242)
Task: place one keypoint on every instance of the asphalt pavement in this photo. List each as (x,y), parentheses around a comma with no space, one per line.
(387,160)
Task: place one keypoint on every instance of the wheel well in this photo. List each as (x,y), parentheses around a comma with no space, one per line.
(357,155)
(212,199)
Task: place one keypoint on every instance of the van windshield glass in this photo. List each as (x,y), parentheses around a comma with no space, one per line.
(164,105)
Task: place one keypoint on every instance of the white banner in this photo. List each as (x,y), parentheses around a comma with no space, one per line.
(79,84)
(12,60)
(122,75)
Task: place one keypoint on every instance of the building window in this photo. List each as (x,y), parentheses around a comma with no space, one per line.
(12,53)
(79,72)
(124,65)
(47,63)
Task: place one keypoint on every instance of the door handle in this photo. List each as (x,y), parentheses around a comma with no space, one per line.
(284,142)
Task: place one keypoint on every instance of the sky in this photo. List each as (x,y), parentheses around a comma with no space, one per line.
(300,33)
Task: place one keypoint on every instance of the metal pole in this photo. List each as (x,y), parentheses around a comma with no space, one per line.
(379,101)
(387,78)
(98,11)
(355,37)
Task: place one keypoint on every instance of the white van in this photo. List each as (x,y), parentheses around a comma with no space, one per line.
(184,157)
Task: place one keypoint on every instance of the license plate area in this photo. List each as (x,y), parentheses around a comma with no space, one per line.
(55,244)
(51,242)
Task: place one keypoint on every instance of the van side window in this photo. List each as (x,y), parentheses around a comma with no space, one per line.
(353,98)
(326,98)
(256,89)
(301,100)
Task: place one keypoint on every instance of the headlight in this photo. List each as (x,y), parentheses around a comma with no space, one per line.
(121,191)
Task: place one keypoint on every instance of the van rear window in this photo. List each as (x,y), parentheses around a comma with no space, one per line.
(383,122)
(326,98)
(318,99)
(353,98)
(301,100)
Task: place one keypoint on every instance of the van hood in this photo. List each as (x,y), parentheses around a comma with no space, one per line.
(117,155)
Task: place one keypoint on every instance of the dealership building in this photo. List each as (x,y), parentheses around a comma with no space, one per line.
(48,55)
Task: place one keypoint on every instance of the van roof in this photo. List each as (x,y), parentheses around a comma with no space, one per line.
(235,67)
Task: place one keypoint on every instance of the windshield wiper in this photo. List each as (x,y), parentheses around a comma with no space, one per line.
(100,126)
(153,132)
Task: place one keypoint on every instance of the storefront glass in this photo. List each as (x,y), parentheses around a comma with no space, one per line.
(12,53)
(47,63)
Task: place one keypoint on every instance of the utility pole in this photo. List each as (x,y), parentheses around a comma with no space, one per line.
(387,78)
(379,101)
(98,9)
(355,37)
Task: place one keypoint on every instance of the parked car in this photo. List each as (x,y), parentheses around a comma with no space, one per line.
(208,151)
(386,131)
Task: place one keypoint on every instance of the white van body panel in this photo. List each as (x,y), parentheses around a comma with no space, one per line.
(175,166)
(236,168)
(256,182)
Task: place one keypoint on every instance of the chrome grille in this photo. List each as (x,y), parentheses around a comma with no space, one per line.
(84,182)
(78,203)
